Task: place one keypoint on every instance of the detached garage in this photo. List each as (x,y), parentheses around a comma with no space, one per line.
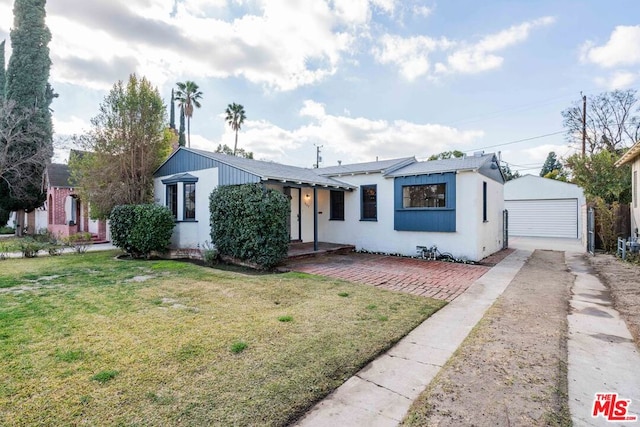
(542,207)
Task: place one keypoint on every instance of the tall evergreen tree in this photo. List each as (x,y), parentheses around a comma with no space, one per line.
(181,139)
(188,96)
(3,78)
(27,85)
(550,164)
(172,114)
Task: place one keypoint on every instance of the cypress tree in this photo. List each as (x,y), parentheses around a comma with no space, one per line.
(3,80)
(181,139)
(172,115)
(27,84)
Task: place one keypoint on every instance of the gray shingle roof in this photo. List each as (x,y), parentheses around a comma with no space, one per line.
(274,171)
(382,166)
(59,175)
(439,166)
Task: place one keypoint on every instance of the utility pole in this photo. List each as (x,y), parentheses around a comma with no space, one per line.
(318,158)
(584,123)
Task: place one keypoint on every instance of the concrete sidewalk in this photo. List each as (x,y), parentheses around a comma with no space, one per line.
(602,355)
(382,392)
(90,248)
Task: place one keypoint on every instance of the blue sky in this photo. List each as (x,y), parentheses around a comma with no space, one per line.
(363,79)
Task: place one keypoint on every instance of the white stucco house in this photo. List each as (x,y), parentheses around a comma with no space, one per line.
(632,156)
(543,207)
(388,206)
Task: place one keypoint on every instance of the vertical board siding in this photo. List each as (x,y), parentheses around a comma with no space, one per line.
(426,219)
(184,161)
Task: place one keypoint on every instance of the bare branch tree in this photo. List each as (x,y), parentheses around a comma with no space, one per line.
(612,121)
(23,150)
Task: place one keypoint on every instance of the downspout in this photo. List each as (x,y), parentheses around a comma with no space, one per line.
(315,219)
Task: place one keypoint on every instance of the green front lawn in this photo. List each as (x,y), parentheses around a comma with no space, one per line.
(86,339)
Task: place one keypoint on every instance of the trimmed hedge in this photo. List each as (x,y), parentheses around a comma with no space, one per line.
(141,229)
(250,223)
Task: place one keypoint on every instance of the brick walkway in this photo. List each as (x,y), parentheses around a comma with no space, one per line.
(435,279)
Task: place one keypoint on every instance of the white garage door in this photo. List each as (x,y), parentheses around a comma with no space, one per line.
(543,218)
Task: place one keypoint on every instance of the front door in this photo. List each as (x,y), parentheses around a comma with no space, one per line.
(293,222)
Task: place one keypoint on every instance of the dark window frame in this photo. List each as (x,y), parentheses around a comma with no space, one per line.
(188,213)
(485,217)
(438,199)
(172,199)
(336,205)
(369,208)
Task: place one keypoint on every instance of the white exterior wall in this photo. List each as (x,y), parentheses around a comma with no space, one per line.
(472,239)
(530,187)
(190,234)
(635,202)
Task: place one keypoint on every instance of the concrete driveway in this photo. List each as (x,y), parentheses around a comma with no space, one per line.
(552,244)
(435,279)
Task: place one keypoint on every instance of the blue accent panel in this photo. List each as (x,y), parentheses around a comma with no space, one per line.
(426,219)
(184,161)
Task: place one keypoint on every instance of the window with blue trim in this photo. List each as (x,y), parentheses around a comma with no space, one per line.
(424,196)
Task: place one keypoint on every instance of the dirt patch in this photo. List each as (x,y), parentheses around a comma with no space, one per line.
(623,280)
(511,370)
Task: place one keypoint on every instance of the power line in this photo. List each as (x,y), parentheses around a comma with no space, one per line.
(517,141)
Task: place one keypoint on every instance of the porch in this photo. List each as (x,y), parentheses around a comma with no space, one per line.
(306,249)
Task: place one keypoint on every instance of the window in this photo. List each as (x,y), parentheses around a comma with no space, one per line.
(369,210)
(172,199)
(484,201)
(336,206)
(424,196)
(189,201)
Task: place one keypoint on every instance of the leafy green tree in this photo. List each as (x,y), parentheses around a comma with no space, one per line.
(598,176)
(447,155)
(612,122)
(127,143)
(188,96)
(235,118)
(27,86)
(241,152)
(3,75)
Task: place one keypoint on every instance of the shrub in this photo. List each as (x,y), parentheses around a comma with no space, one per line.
(209,253)
(250,223)
(30,247)
(141,229)
(80,242)
(7,230)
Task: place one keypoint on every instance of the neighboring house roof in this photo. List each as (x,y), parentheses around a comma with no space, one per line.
(467,163)
(630,155)
(382,166)
(58,175)
(271,171)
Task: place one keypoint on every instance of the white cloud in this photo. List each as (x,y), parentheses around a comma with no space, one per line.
(622,49)
(73,126)
(276,43)
(423,11)
(618,80)
(409,54)
(412,55)
(351,139)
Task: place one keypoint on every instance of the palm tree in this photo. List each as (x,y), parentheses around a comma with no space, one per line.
(187,96)
(235,119)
